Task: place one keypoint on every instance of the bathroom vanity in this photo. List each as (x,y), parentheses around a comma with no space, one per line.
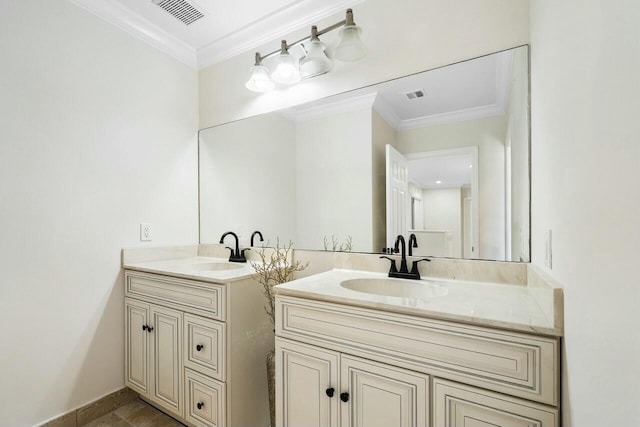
(196,338)
(354,348)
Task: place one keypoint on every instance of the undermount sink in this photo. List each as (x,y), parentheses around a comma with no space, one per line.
(396,288)
(215,266)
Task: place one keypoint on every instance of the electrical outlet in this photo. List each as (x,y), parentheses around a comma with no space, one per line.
(145,232)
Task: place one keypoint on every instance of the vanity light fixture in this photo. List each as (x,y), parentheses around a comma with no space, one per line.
(289,70)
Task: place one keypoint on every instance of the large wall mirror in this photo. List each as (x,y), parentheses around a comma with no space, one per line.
(442,154)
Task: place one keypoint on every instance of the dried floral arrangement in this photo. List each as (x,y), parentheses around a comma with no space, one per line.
(336,246)
(275,267)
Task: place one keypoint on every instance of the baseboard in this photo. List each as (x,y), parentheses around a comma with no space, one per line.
(94,410)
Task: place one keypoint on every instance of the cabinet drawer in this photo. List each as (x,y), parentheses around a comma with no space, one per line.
(204,344)
(508,362)
(458,405)
(205,400)
(205,299)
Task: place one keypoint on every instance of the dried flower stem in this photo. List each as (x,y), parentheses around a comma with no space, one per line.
(274,269)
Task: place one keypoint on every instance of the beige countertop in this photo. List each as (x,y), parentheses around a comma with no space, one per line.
(201,268)
(514,307)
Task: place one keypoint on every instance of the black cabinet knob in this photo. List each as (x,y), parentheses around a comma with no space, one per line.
(149,328)
(199,347)
(200,405)
(344,397)
(330,391)
(144,327)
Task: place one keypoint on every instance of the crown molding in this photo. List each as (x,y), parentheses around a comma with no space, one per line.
(134,24)
(453,116)
(272,27)
(386,112)
(331,108)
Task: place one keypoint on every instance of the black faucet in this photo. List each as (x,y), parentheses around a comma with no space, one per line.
(413,243)
(403,262)
(254,235)
(404,272)
(237,256)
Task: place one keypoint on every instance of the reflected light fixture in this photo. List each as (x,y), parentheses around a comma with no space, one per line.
(290,70)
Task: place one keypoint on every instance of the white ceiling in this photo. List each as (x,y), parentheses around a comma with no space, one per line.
(450,170)
(228,28)
(467,90)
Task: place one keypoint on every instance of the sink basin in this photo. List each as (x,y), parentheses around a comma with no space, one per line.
(214,266)
(396,288)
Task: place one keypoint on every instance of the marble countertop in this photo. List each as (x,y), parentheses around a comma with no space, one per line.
(197,268)
(513,307)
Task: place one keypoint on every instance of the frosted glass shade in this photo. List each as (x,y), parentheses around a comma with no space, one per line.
(350,47)
(287,70)
(259,80)
(316,62)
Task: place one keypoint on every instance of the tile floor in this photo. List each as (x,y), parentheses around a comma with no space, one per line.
(135,414)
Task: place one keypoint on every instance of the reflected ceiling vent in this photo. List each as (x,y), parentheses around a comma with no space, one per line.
(182,10)
(415,94)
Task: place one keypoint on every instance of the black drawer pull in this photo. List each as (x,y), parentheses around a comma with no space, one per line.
(200,405)
(199,347)
(149,328)
(330,391)
(344,397)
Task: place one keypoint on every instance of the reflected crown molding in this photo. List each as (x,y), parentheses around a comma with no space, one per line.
(330,108)
(499,107)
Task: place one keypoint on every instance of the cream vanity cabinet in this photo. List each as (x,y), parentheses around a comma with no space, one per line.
(340,365)
(197,349)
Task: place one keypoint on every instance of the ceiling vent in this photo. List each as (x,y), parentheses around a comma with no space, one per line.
(414,94)
(182,10)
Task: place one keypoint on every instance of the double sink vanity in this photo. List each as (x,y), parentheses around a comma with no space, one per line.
(352,346)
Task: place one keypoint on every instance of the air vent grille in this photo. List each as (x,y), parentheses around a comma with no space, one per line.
(415,94)
(182,10)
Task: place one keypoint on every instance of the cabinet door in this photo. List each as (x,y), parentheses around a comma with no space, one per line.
(381,396)
(166,356)
(307,390)
(136,343)
(458,405)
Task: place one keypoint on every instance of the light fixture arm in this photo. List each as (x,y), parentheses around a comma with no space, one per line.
(314,32)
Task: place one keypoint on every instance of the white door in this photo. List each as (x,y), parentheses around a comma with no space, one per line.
(398,200)
(381,395)
(166,354)
(307,390)
(136,346)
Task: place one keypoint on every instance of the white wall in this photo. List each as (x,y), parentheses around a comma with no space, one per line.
(586,167)
(334,180)
(443,211)
(382,134)
(98,135)
(404,37)
(247,179)
(489,135)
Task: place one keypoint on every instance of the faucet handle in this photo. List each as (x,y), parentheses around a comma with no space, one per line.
(243,251)
(230,249)
(414,267)
(393,269)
